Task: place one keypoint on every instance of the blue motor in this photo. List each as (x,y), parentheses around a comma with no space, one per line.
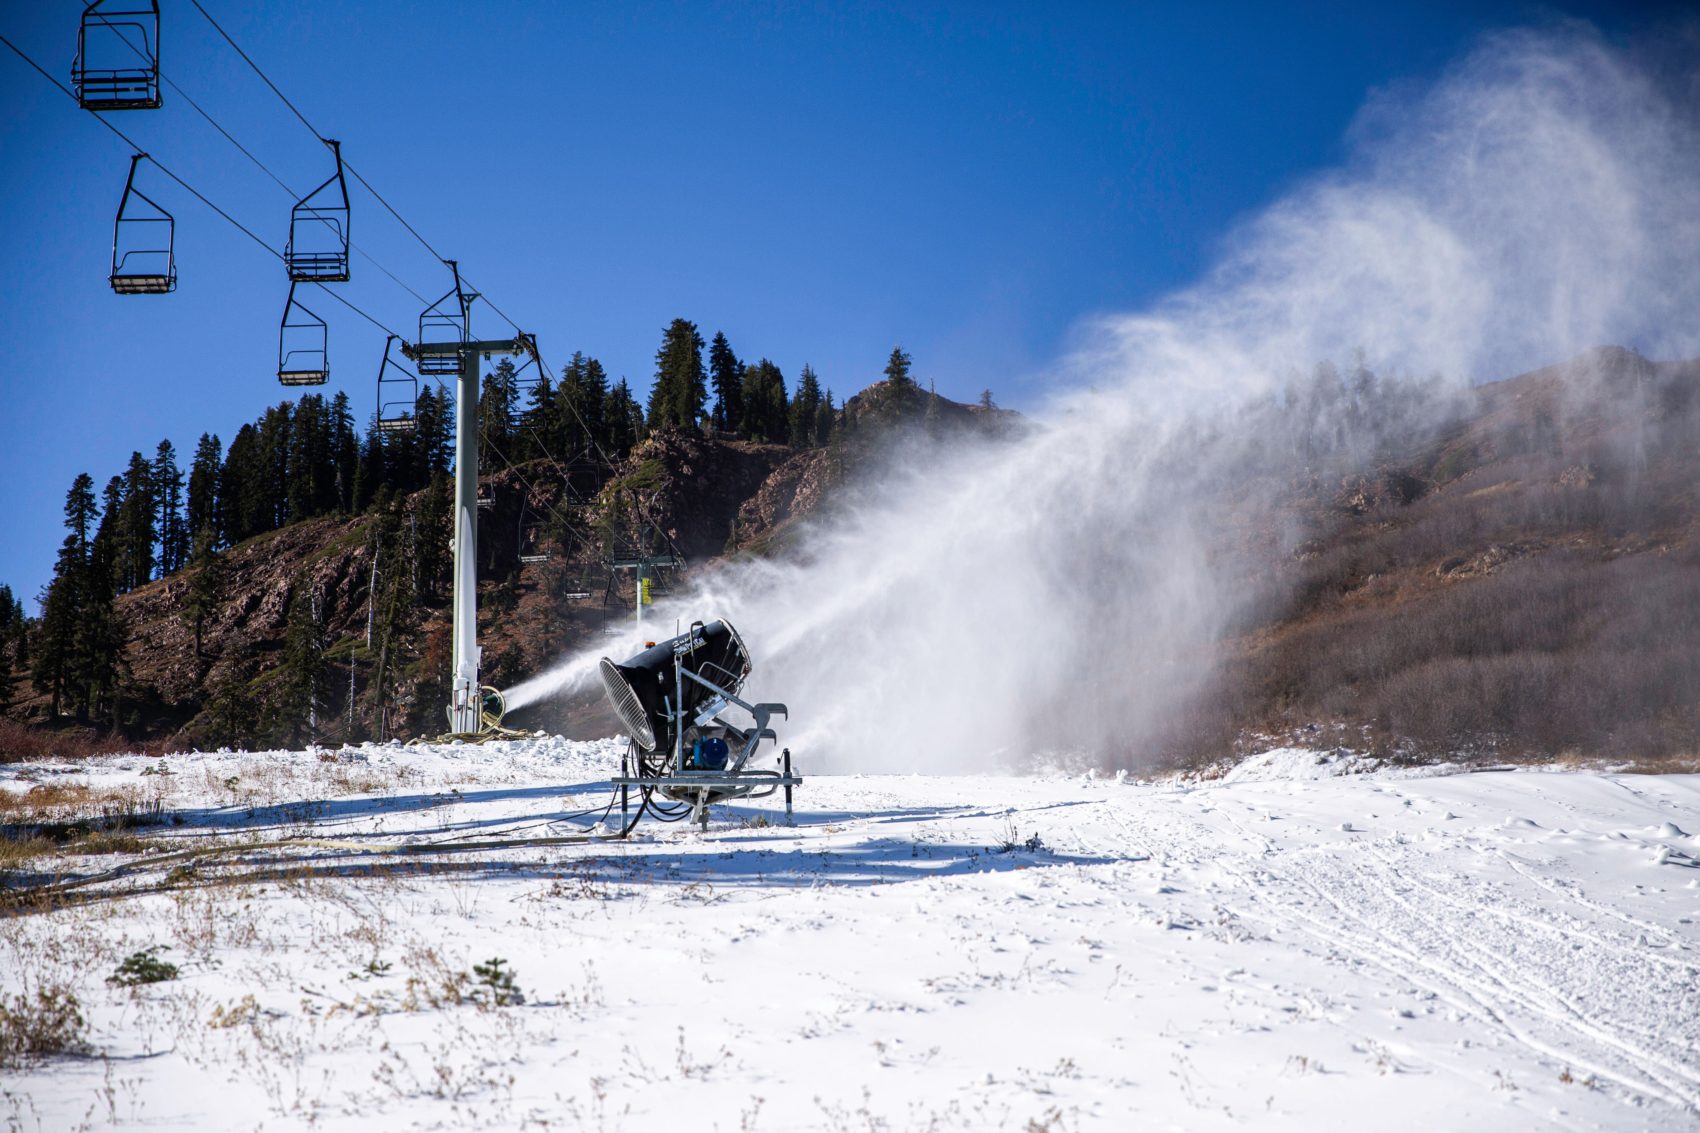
(708,753)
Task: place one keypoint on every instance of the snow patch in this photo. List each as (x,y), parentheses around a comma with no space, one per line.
(1298,763)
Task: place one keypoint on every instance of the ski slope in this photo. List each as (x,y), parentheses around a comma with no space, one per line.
(1303,943)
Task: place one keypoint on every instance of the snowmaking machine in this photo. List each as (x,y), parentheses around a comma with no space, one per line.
(674,698)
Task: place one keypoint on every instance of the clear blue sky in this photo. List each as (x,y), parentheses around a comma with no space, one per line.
(818,181)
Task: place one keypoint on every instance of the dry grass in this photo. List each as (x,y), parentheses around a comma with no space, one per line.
(72,818)
(32,1027)
(20,742)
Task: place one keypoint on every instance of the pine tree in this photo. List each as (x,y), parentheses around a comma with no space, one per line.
(344,452)
(369,474)
(54,659)
(728,379)
(536,419)
(305,678)
(766,407)
(231,713)
(433,416)
(566,426)
(626,424)
(203,509)
(496,405)
(99,642)
(310,476)
(206,584)
(270,474)
(897,367)
(138,526)
(168,497)
(825,418)
(596,403)
(13,629)
(394,605)
(435,565)
(680,393)
(805,408)
(109,541)
(581,411)
(54,667)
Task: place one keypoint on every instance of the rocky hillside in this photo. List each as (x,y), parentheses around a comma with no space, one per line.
(1523,581)
(677,492)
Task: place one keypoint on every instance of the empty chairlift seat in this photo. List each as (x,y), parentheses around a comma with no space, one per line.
(143,243)
(302,346)
(442,325)
(398,394)
(117,64)
(317,251)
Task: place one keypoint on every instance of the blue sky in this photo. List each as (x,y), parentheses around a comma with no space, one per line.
(818,181)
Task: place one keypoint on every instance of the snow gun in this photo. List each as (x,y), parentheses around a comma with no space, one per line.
(684,753)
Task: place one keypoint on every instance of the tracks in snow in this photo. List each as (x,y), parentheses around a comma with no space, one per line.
(1535,961)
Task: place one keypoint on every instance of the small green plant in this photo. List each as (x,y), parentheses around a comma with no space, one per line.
(496,980)
(143,967)
(32,1027)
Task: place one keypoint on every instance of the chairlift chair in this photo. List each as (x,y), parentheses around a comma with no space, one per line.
(144,237)
(317,251)
(303,346)
(398,394)
(443,322)
(117,63)
(531,532)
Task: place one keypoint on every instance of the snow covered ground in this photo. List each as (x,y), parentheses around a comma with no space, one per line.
(1288,947)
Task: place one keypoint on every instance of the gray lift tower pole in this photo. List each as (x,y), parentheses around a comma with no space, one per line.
(465,695)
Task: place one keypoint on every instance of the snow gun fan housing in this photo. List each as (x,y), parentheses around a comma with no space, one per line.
(644,688)
(674,698)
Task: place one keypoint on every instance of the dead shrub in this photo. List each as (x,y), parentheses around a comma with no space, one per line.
(20,743)
(33,1027)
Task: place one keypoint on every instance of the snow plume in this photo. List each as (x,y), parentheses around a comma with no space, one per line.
(1062,593)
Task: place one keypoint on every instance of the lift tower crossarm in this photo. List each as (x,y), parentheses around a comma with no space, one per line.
(464,702)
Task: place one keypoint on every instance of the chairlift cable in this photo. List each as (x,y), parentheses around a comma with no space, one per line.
(235,47)
(401,219)
(190,189)
(346,165)
(266,169)
(314,130)
(248,232)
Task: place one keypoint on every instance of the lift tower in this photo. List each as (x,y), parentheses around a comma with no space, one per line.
(463,355)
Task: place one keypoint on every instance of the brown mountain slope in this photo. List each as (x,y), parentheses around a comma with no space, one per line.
(1529,584)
